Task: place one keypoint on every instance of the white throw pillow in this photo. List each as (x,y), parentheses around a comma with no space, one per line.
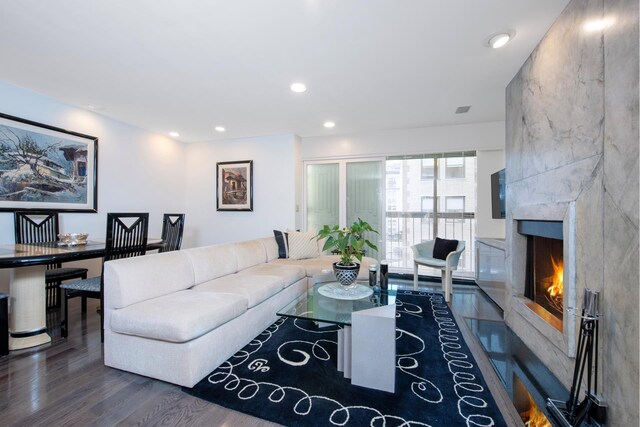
(302,244)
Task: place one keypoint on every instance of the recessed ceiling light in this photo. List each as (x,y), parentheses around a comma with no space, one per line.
(298,87)
(500,39)
(174,134)
(329,124)
(220,129)
(463,109)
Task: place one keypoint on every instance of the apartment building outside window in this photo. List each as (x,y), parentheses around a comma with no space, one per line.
(454,167)
(428,169)
(449,179)
(454,204)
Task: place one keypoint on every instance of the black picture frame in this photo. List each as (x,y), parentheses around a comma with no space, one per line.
(46,168)
(234,186)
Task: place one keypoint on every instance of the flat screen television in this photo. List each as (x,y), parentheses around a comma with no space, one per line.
(498,195)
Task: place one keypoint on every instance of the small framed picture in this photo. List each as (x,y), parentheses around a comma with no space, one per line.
(234,186)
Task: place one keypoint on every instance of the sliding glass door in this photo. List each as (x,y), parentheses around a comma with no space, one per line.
(408,199)
(322,194)
(364,198)
(341,191)
(429,196)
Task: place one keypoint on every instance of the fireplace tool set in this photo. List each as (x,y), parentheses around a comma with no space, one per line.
(591,411)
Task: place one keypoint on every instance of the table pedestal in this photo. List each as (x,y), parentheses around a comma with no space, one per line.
(27,316)
(344,351)
(367,348)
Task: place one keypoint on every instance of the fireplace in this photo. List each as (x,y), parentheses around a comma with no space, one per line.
(544,276)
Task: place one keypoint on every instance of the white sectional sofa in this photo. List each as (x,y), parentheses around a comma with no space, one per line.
(176,316)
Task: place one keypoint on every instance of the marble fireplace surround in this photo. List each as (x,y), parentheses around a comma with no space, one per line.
(564,340)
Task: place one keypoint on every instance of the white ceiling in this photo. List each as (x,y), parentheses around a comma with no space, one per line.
(190,65)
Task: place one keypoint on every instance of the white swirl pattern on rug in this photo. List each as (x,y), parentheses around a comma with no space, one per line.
(460,366)
(298,353)
(248,389)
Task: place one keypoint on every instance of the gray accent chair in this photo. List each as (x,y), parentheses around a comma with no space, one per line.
(423,255)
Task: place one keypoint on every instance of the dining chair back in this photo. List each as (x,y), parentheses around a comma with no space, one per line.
(126,237)
(41,227)
(36,226)
(172,230)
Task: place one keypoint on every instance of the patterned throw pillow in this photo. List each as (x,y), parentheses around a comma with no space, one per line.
(302,244)
(283,243)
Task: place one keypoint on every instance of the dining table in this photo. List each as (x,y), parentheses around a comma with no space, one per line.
(27,291)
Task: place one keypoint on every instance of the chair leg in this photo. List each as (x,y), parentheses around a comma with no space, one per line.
(415,276)
(445,289)
(449,285)
(84,304)
(64,327)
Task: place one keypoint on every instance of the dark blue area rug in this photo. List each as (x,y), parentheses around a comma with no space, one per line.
(288,375)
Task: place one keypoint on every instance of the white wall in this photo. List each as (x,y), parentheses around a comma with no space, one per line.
(486,138)
(137,170)
(275,159)
(476,136)
(489,161)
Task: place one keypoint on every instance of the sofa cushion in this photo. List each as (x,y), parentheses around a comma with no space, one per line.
(210,262)
(252,287)
(249,253)
(178,317)
(302,245)
(289,274)
(131,280)
(270,246)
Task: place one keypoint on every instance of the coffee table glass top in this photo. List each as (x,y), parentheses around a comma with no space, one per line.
(315,306)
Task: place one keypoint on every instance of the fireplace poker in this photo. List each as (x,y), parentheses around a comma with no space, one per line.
(591,410)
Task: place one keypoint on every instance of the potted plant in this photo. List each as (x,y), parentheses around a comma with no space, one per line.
(349,242)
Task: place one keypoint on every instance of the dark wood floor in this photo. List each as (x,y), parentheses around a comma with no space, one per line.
(66,383)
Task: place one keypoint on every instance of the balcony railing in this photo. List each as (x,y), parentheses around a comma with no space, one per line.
(405,229)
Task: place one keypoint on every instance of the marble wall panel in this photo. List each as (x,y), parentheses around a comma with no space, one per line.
(620,324)
(621,103)
(562,92)
(554,186)
(589,235)
(572,139)
(514,128)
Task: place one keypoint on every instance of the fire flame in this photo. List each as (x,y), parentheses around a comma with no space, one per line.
(557,285)
(534,417)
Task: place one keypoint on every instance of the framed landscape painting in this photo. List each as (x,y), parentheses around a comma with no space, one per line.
(234,186)
(46,168)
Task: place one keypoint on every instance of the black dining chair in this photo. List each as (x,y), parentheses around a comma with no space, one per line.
(172,230)
(42,227)
(123,241)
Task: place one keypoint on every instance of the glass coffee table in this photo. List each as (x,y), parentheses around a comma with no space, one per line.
(366,340)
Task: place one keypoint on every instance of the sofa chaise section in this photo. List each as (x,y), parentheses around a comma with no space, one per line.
(176,316)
